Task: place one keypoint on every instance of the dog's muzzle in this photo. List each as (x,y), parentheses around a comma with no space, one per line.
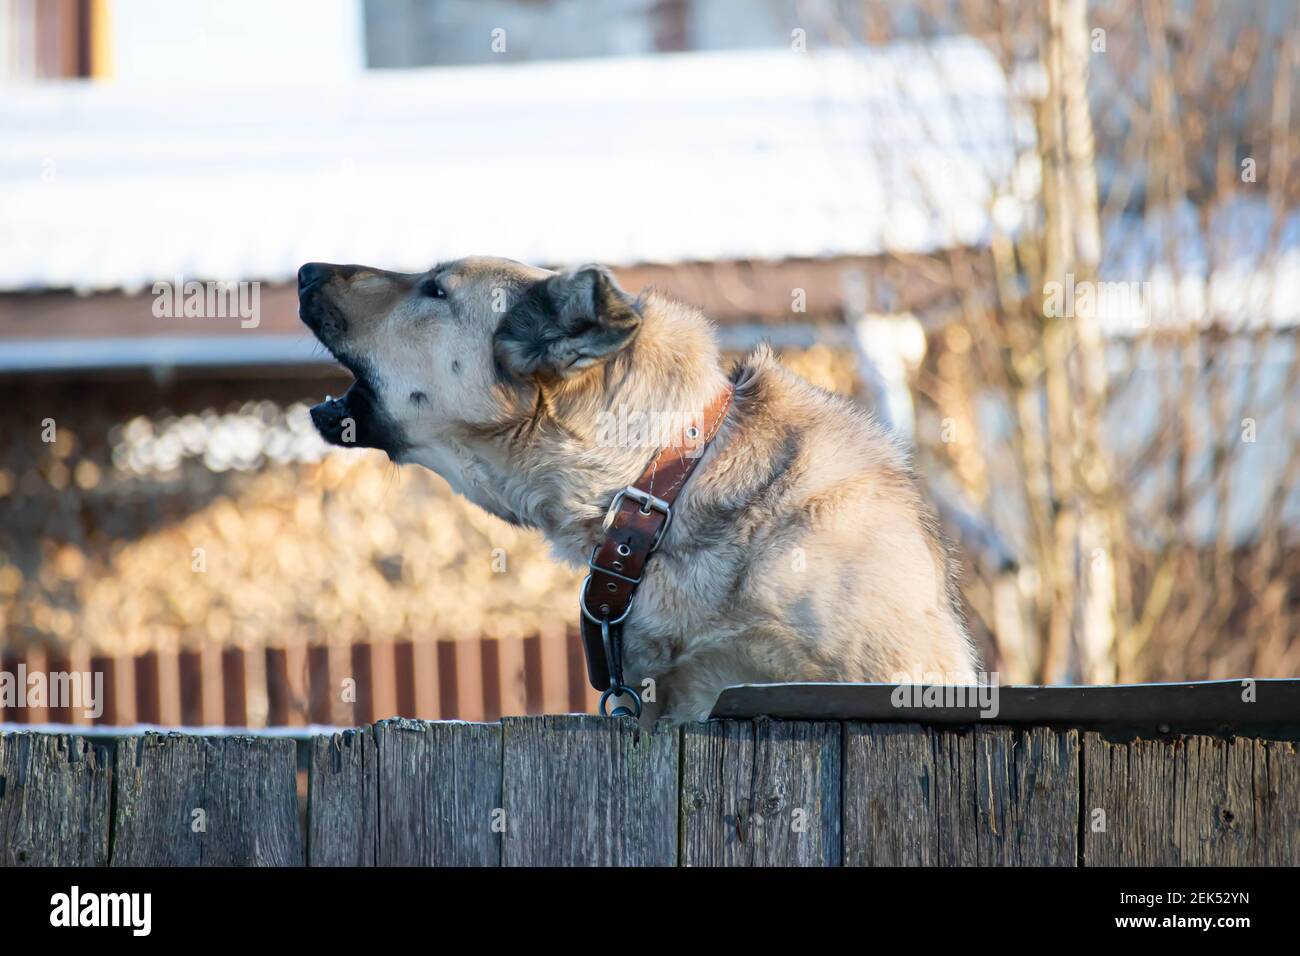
(331,418)
(357,421)
(315,308)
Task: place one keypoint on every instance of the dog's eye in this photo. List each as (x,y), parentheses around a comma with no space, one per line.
(430,288)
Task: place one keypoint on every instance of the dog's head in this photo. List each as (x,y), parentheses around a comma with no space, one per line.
(463,344)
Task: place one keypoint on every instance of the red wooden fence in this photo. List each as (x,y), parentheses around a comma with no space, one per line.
(343,685)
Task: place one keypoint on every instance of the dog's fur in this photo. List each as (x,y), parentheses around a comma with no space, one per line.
(800,549)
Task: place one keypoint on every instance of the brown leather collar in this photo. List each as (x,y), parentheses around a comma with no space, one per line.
(635,523)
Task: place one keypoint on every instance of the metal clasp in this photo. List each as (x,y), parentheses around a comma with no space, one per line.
(614,657)
(648,504)
(620,690)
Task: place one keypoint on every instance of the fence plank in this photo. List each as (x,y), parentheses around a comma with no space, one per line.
(1191,801)
(439,784)
(383,680)
(1027,785)
(424,667)
(54,801)
(167,666)
(257,688)
(581,791)
(512,681)
(343,810)
(252,784)
(908,796)
(37,710)
(245,788)
(761,793)
(1128,803)
(556,656)
(159,781)
(211,686)
(1215,804)
(469,679)
(234,711)
(1277,802)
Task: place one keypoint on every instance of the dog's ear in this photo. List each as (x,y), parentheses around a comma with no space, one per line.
(567,323)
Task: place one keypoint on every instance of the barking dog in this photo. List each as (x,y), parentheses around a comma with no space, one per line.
(800,548)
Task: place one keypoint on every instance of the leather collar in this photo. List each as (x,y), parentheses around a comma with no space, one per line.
(635,524)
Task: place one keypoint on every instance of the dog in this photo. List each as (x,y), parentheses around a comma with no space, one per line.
(800,549)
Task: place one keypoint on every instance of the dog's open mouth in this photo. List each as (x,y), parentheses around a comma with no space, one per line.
(332,418)
(356,420)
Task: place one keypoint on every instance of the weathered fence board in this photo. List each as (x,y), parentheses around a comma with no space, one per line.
(908,796)
(761,793)
(580,790)
(1276,794)
(54,800)
(1193,801)
(589,791)
(226,801)
(993,796)
(1027,790)
(343,816)
(1128,803)
(1214,802)
(439,787)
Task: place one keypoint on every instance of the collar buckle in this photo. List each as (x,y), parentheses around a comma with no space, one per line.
(648,504)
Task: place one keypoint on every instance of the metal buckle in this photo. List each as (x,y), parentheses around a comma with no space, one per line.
(648,504)
(613,652)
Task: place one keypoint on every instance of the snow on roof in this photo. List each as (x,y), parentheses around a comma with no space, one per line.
(1238,267)
(672,158)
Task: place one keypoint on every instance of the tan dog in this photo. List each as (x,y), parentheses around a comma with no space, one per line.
(800,549)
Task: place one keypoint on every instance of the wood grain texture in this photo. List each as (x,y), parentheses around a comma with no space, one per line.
(917,796)
(54,801)
(1277,803)
(579,790)
(584,791)
(1128,803)
(438,787)
(1191,801)
(1027,796)
(908,796)
(1214,802)
(195,801)
(761,793)
(343,799)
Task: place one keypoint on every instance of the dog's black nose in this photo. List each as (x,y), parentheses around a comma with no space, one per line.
(310,272)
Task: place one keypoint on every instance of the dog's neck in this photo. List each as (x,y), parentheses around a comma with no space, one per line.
(586,440)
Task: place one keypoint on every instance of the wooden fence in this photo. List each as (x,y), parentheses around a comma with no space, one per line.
(341,685)
(575,790)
